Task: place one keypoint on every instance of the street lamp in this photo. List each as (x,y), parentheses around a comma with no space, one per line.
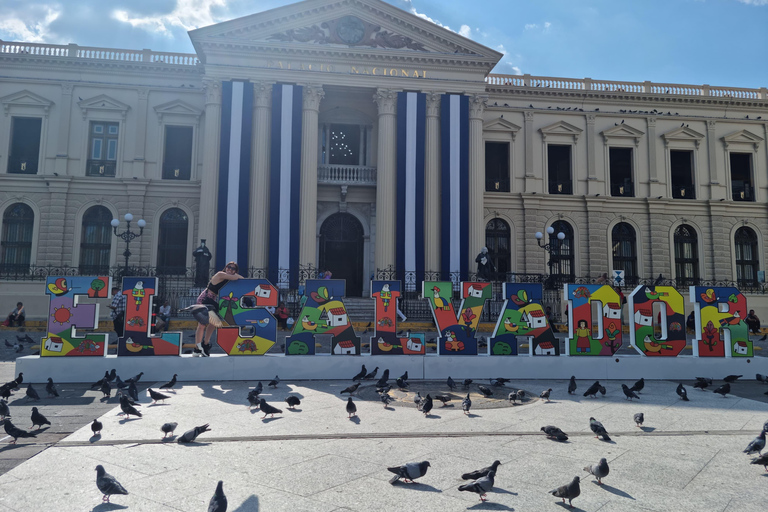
(550,247)
(128,235)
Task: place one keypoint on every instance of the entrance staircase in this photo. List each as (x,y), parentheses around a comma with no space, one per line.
(360,309)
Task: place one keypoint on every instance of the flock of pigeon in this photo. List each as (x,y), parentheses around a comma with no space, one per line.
(482,480)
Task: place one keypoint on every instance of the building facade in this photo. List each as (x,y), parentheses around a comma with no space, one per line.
(352,136)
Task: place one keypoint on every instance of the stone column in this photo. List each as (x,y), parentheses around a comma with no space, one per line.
(65,114)
(313,94)
(209,183)
(140,142)
(259,207)
(716,191)
(432,184)
(476,175)
(657,188)
(593,186)
(386,180)
(531,184)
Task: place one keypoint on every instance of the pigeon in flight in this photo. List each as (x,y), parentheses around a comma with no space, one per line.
(268,409)
(31,393)
(409,472)
(474,475)
(169,428)
(628,392)
(190,435)
(50,388)
(155,396)
(599,470)
(351,408)
(593,389)
(39,419)
(360,375)
(15,432)
(598,429)
(732,378)
(485,391)
(639,419)
(756,445)
(450,383)
(481,486)
(372,375)
(568,492)
(218,501)
(682,392)
(554,432)
(274,382)
(170,383)
(572,385)
(545,394)
(443,398)
(96,427)
(466,404)
(723,390)
(638,386)
(127,408)
(351,389)
(5,411)
(426,405)
(107,484)
(292,401)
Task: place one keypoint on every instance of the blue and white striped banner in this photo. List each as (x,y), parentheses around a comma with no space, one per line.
(411,123)
(234,174)
(285,185)
(454,203)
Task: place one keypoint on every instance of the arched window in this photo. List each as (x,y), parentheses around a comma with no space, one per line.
(747,262)
(624,246)
(95,241)
(497,240)
(686,256)
(16,244)
(172,242)
(561,262)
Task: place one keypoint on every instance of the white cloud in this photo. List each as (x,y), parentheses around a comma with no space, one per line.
(187,14)
(465,31)
(31,30)
(531,26)
(515,70)
(754,2)
(544,28)
(547,25)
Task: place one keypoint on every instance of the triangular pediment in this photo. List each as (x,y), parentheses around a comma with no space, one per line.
(743,137)
(178,108)
(683,134)
(103,102)
(25,98)
(622,131)
(501,125)
(561,128)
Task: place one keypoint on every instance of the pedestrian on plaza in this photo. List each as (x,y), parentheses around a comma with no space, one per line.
(690,323)
(753,323)
(208,319)
(163,317)
(283,315)
(17,315)
(484,265)
(118,311)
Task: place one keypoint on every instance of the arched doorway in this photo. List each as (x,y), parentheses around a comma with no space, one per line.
(341,250)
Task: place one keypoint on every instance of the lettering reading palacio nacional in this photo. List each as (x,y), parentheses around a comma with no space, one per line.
(353,70)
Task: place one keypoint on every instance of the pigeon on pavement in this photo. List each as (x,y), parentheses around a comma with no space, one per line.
(169,428)
(702,382)
(466,404)
(554,432)
(756,445)
(111,375)
(218,501)
(190,435)
(466,383)
(170,383)
(402,384)
(474,475)
(133,391)
(274,382)
(572,385)
(372,375)
(107,484)
(761,460)
(5,411)
(360,375)
(639,419)
(426,406)
(638,386)
(409,472)
(593,389)
(502,380)
(15,432)
(598,429)
(404,376)
(106,388)
(135,379)
(259,388)
(417,399)
(96,427)
(383,380)
(545,394)
(568,492)
(628,392)
(485,391)
(98,383)
(599,470)
(155,396)
(351,389)
(732,378)
(31,393)
(268,409)
(443,398)
(50,388)
(761,378)
(682,392)
(119,384)
(292,401)
(450,383)
(385,399)
(481,486)
(18,380)
(351,408)
(520,394)
(127,408)
(723,390)
(39,419)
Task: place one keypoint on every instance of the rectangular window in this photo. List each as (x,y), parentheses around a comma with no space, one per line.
(742,188)
(102,163)
(497,166)
(25,145)
(682,174)
(559,169)
(177,156)
(620,162)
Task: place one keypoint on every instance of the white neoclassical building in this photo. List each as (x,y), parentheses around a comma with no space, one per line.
(352,136)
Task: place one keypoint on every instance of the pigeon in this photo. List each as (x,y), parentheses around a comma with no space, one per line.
(682,393)
(121,395)
(601,389)
(593,389)
(502,380)
(386,389)
(31,393)
(404,376)
(351,389)
(168,428)
(98,383)
(628,392)
(512,397)
(218,501)
(5,390)
(269,409)
(495,382)
(761,460)
(155,396)
(761,378)
(481,486)
(572,385)
(474,475)
(19,348)
(485,391)
(351,408)
(259,388)
(418,399)
(18,380)
(386,399)
(569,492)
(292,401)
(638,386)
(466,404)
(639,419)
(599,470)
(190,435)
(443,398)
(15,432)
(372,375)
(253,399)
(520,394)
(383,380)
(107,484)
(598,429)
(756,445)
(111,375)
(133,392)
(127,408)
(545,394)
(170,383)
(554,433)
(466,383)
(409,472)
(135,379)
(39,419)
(732,378)
(402,384)
(723,390)
(360,375)
(5,411)
(702,382)
(106,388)
(96,427)
(426,406)
(50,388)
(450,383)
(274,382)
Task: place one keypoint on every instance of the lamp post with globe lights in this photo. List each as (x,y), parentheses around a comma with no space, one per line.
(550,247)
(128,235)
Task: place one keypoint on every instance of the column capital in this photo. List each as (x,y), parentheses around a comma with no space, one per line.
(262,94)
(143,93)
(212,90)
(528,115)
(591,119)
(711,123)
(433,103)
(477,105)
(651,121)
(313,94)
(66,87)
(386,99)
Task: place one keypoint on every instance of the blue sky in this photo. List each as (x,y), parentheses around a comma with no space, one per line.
(717,42)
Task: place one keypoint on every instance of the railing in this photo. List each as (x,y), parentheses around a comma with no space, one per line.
(346,175)
(74,51)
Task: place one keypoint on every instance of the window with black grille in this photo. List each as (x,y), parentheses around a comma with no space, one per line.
(25,145)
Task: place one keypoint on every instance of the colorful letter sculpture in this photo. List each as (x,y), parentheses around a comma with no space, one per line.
(585,338)
(667,338)
(385,341)
(721,330)
(137,339)
(251,329)
(523,317)
(456,331)
(323,313)
(65,316)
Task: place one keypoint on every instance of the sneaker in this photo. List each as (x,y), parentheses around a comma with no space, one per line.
(206,350)
(197,352)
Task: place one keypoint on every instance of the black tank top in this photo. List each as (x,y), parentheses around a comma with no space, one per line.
(216,287)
